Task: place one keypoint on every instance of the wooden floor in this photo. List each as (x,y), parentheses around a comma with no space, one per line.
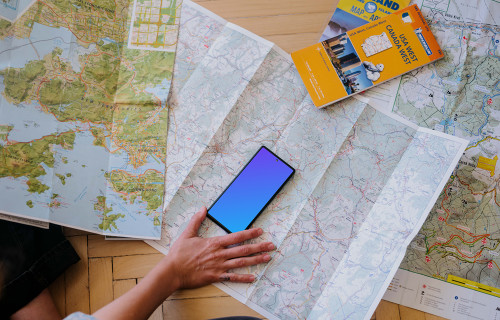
(110,268)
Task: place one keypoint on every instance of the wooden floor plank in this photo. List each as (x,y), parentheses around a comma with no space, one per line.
(411,314)
(77,279)
(99,247)
(100,282)
(281,25)
(429,316)
(387,311)
(130,267)
(70,232)
(57,290)
(157,314)
(294,42)
(121,287)
(257,8)
(206,308)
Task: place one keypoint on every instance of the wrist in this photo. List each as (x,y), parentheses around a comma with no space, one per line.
(168,276)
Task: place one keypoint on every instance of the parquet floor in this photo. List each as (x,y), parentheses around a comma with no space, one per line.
(110,268)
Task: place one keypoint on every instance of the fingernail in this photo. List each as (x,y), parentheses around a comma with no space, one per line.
(252,278)
(260,231)
(267,257)
(271,246)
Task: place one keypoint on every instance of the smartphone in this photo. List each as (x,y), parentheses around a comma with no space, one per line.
(250,191)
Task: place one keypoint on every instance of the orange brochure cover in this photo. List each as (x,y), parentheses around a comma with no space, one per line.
(364,57)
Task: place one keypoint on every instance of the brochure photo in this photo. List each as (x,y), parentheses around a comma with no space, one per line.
(351,14)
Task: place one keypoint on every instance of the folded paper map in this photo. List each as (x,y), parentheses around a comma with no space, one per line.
(364,179)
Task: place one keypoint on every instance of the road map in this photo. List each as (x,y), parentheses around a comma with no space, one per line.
(364,182)
(459,95)
(155,25)
(83,117)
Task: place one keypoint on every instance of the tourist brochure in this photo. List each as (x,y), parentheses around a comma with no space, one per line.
(351,14)
(352,62)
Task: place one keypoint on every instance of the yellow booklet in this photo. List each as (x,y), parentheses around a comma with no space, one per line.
(351,14)
(352,62)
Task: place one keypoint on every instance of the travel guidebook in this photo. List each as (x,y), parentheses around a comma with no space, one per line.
(351,14)
(352,62)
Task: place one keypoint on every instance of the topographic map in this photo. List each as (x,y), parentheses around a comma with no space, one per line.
(83,117)
(460,95)
(364,182)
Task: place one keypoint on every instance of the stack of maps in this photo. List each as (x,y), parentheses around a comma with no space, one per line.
(87,139)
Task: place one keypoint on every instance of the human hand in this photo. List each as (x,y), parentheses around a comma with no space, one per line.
(192,262)
(196,261)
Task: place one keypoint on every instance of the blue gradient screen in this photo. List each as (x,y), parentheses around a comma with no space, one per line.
(247,195)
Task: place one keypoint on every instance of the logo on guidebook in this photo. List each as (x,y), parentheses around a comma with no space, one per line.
(370,7)
(420,37)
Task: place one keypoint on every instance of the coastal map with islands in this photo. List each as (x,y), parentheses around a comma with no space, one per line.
(71,87)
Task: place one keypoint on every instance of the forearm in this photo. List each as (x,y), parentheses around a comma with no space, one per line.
(144,298)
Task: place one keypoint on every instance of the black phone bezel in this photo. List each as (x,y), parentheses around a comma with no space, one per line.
(236,177)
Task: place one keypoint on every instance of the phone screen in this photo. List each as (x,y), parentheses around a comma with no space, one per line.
(251,191)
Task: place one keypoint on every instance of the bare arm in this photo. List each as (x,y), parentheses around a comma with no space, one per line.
(192,262)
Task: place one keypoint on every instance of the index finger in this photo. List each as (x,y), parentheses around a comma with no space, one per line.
(238,237)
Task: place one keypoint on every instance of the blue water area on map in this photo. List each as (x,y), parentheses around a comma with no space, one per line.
(13,9)
(17,52)
(137,222)
(447,122)
(29,121)
(14,195)
(79,193)
(154,162)
(120,161)
(161,90)
(78,51)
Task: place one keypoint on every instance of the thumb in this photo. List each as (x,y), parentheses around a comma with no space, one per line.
(195,223)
